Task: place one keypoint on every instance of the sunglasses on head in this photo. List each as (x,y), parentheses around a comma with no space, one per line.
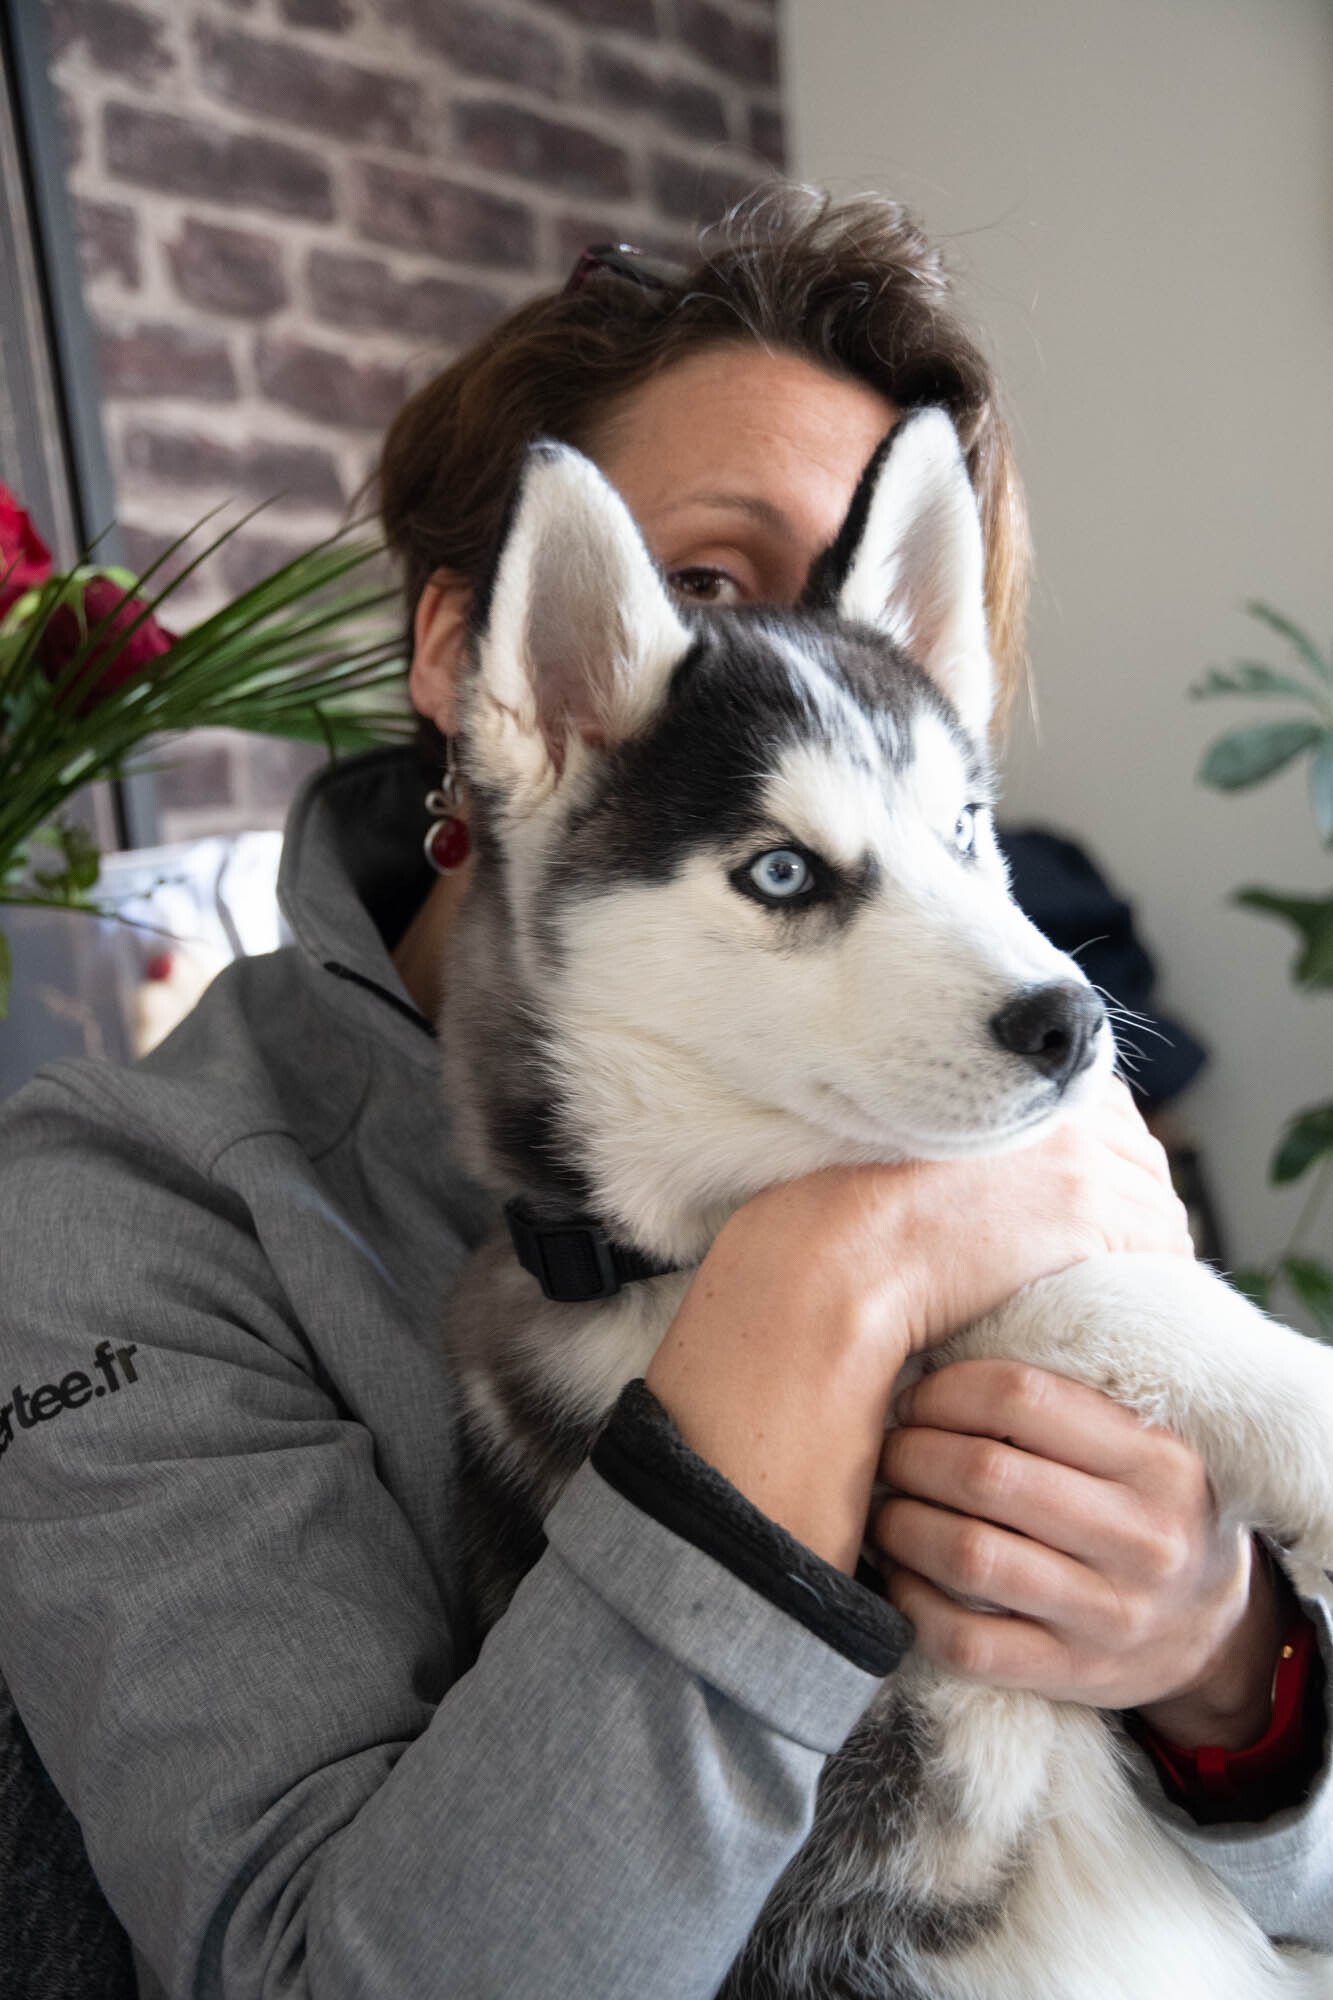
(617,260)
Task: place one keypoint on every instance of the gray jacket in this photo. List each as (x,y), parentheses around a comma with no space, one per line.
(232,1614)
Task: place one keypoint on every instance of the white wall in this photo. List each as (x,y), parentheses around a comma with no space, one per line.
(1139,196)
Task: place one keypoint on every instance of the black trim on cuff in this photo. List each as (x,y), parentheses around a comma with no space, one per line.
(643,1456)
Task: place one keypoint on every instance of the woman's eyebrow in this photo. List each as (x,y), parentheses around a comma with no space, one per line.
(752,505)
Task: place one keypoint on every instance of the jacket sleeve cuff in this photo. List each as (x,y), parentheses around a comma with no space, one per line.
(1268,1775)
(1277,1868)
(643,1456)
(697,1569)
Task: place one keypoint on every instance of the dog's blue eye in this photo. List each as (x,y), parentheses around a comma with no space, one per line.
(965,830)
(781,874)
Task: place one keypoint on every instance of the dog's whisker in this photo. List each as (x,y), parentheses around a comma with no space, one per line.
(1118,1009)
(1125,1072)
(1131,1016)
(1124,1013)
(1149,1028)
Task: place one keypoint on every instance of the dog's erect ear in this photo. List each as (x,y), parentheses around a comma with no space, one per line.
(578,635)
(909,559)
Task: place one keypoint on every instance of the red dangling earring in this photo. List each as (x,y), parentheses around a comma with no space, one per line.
(448,843)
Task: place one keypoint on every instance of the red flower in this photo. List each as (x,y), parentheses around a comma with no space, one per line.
(25,560)
(62,638)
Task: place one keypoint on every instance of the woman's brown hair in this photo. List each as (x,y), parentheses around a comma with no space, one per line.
(853,286)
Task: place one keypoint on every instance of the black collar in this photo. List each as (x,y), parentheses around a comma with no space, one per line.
(574,1259)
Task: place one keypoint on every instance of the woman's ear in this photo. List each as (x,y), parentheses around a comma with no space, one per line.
(439,630)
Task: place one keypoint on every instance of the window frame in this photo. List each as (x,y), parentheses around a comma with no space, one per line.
(50,401)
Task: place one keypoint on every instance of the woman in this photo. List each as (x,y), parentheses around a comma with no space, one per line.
(234,1619)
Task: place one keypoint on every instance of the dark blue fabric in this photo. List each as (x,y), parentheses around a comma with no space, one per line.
(58,1937)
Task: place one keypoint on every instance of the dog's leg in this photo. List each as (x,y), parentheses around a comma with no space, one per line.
(1104,1905)
(1171,1341)
(536,1383)
(976,1843)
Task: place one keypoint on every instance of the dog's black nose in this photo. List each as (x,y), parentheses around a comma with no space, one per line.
(1052,1027)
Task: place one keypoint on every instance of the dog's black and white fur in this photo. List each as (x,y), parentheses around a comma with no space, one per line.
(738,914)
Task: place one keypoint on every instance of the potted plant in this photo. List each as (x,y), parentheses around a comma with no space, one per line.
(91,681)
(1236,761)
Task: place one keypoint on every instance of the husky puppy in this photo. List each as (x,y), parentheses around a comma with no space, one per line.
(739,914)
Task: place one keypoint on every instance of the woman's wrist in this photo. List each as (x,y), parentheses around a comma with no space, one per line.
(799,1439)
(810,1475)
(778,1370)
(1229,1703)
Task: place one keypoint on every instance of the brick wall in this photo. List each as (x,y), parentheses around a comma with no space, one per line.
(293,211)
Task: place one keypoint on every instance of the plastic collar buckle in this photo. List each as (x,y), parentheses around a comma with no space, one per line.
(571,1260)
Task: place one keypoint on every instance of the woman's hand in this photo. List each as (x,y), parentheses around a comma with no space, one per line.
(1096,1540)
(982,1228)
(779,1364)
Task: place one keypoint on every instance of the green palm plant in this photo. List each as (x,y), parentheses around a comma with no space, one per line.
(1234,762)
(91,684)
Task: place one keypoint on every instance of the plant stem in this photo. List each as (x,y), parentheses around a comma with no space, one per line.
(51,903)
(106,911)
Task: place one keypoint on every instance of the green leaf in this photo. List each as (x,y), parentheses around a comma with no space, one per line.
(24,607)
(1309,1135)
(299,642)
(124,579)
(82,859)
(1287,629)
(1252,677)
(339,732)
(1248,755)
(1321,788)
(1312,917)
(1312,1282)
(6,972)
(1254,1284)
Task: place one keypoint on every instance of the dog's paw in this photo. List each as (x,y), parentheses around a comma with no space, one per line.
(1173,1342)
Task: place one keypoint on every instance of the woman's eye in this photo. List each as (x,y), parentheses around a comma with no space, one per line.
(781,874)
(705,586)
(965,830)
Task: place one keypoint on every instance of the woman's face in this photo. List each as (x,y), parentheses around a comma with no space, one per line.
(738,465)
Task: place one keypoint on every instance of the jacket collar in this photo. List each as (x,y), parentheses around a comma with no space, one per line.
(351,878)
(353,874)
